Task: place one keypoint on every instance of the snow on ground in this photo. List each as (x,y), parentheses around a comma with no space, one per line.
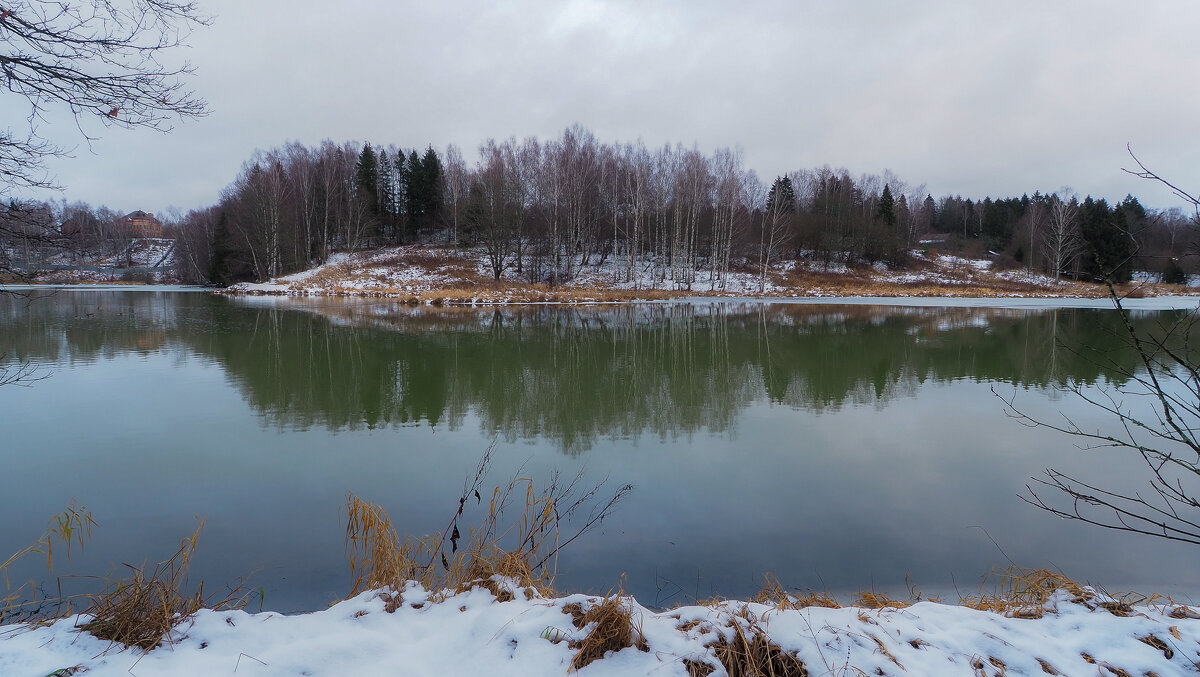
(421,272)
(471,633)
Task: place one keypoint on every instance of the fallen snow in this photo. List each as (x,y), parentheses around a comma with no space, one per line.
(471,633)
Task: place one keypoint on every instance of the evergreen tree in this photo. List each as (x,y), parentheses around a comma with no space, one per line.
(368,176)
(423,189)
(387,192)
(1110,245)
(431,164)
(414,178)
(782,193)
(225,267)
(886,211)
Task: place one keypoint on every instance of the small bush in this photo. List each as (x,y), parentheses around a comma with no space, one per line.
(1173,273)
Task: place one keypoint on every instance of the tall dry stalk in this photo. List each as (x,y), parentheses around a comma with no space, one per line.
(70,528)
(523,549)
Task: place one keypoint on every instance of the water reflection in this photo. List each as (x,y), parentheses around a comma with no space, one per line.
(574,375)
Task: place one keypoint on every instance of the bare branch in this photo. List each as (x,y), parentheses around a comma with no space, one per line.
(99,60)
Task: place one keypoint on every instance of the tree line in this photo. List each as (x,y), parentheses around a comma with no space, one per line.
(674,216)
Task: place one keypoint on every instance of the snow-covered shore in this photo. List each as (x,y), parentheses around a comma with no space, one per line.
(472,633)
(427,274)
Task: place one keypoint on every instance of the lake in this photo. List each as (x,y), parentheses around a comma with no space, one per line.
(842,446)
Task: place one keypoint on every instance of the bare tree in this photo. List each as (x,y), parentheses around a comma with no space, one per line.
(1192,199)
(99,60)
(457,181)
(1061,237)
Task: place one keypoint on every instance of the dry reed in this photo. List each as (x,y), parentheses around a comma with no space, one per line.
(497,554)
(141,610)
(1024,593)
(70,528)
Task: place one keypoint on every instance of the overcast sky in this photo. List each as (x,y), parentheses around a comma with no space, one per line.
(970,98)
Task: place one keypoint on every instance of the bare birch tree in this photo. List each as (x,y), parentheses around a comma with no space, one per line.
(1061,238)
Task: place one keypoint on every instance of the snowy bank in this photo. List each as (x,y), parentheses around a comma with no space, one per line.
(472,633)
(439,275)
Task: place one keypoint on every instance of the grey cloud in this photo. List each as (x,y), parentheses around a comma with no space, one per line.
(968,98)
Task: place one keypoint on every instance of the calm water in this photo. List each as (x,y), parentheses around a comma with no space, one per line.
(842,447)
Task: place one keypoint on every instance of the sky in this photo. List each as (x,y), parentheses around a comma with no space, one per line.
(968,98)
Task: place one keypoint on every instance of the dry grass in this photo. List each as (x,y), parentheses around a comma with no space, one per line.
(496,553)
(612,629)
(749,652)
(774,594)
(140,611)
(1023,593)
(70,528)
(871,600)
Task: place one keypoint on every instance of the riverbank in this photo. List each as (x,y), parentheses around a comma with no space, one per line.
(427,275)
(1069,631)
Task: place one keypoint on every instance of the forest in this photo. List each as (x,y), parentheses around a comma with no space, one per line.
(541,210)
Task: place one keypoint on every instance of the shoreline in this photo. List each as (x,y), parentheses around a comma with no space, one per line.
(499,627)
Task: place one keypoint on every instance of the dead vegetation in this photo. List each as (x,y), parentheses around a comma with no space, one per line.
(23,603)
(504,552)
(141,610)
(612,628)
(1027,593)
(138,611)
(747,651)
(772,593)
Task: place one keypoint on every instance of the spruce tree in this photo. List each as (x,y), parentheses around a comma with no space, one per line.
(1108,234)
(782,196)
(387,192)
(368,176)
(431,166)
(414,179)
(886,212)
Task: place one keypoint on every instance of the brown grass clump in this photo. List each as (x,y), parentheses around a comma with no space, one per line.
(1023,593)
(749,652)
(613,629)
(871,600)
(141,610)
(496,552)
(697,668)
(774,594)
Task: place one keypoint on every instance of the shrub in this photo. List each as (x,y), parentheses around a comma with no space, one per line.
(1173,273)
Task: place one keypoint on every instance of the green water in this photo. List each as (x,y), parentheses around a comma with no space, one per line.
(839,446)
